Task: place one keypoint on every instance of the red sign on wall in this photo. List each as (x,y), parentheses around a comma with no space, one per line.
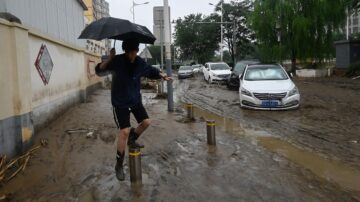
(44,64)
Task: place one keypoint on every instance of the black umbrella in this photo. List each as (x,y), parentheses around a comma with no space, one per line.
(119,29)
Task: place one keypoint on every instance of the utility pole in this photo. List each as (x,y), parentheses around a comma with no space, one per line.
(168,55)
(162,47)
(222,33)
(162,41)
(222,30)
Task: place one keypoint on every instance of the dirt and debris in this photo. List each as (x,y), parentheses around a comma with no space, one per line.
(8,170)
(254,160)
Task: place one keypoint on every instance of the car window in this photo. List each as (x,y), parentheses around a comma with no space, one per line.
(185,68)
(239,67)
(265,73)
(219,67)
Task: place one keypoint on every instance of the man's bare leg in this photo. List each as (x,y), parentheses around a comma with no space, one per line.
(121,144)
(142,127)
(123,136)
(135,133)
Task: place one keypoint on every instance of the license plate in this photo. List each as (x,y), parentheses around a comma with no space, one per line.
(270,103)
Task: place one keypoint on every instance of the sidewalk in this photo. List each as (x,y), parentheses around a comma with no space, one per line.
(177,163)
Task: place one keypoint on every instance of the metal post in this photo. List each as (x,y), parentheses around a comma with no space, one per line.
(190,111)
(210,129)
(133,11)
(168,55)
(135,165)
(160,89)
(162,48)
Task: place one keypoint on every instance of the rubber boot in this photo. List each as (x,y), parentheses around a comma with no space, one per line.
(132,139)
(119,168)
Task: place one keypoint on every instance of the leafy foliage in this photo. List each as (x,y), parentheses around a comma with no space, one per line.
(197,41)
(237,35)
(354,69)
(297,29)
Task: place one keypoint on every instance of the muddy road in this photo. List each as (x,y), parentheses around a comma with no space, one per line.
(257,157)
(322,136)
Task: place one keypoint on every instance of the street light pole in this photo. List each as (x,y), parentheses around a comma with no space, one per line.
(166,18)
(133,8)
(222,30)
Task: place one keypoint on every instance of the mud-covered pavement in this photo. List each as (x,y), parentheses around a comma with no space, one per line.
(259,155)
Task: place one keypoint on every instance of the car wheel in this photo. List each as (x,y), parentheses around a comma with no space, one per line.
(228,86)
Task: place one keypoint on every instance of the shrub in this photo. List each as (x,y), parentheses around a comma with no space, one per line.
(354,69)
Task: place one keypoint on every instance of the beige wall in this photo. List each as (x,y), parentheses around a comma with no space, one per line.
(22,92)
(15,88)
(21,86)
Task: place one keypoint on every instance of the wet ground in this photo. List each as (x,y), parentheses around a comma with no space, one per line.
(260,156)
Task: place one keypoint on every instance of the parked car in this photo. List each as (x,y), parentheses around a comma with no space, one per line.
(185,72)
(233,82)
(197,68)
(219,71)
(268,87)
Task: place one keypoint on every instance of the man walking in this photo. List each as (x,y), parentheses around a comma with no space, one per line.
(127,70)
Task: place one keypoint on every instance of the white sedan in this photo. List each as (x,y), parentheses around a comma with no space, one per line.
(216,72)
(268,87)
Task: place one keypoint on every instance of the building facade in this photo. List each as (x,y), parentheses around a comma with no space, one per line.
(97,9)
(158,27)
(63,19)
(354,23)
(44,68)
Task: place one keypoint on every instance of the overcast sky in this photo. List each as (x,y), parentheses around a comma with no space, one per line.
(144,13)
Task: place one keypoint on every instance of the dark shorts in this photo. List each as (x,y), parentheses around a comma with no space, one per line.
(122,115)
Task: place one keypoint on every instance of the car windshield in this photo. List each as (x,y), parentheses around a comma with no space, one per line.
(219,67)
(196,66)
(241,66)
(265,73)
(184,68)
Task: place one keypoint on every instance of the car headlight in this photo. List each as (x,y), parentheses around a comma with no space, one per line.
(245,92)
(214,74)
(294,91)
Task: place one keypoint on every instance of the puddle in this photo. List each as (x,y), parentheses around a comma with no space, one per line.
(149,98)
(330,170)
(334,171)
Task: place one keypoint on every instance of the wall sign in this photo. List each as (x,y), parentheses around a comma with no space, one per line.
(44,64)
(91,69)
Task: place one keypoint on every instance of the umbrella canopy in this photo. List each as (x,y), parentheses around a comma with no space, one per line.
(119,29)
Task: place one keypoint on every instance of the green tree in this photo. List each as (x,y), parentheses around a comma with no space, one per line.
(238,37)
(297,29)
(155,52)
(195,41)
(353,5)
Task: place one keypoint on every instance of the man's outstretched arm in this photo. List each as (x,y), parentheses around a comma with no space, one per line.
(154,73)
